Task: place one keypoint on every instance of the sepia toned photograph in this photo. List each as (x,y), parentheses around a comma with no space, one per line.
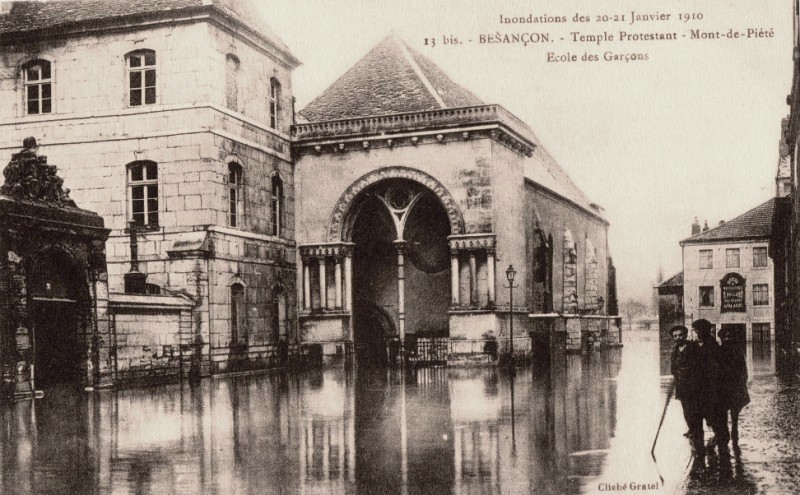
(399,247)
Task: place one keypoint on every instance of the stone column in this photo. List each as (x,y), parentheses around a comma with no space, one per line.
(348,280)
(306,284)
(348,290)
(490,275)
(323,284)
(473,279)
(455,280)
(401,288)
(338,277)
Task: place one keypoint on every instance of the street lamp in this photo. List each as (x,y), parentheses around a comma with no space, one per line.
(510,274)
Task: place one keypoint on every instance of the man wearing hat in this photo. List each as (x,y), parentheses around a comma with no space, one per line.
(708,367)
(689,388)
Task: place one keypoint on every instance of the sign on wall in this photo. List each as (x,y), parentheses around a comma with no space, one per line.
(732,286)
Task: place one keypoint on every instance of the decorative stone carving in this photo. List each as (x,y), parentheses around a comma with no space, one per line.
(29,177)
(346,200)
(470,242)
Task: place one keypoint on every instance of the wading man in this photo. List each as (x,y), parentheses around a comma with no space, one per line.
(689,389)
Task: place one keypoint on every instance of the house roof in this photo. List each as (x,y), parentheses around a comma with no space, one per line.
(674,281)
(395,79)
(755,223)
(391,78)
(29,17)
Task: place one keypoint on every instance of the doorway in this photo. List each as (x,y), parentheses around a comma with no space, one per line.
(739,333)
(58,298)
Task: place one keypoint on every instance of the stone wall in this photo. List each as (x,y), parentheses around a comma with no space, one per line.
(153,338)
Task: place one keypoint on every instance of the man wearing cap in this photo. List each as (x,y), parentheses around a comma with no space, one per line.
(711,406)
(689,388)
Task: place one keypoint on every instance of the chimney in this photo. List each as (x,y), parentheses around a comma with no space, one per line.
(721,223)
(705,225)
(695,227)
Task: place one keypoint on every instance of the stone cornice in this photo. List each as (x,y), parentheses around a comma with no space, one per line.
(410,129)
(332,250)
(470,242)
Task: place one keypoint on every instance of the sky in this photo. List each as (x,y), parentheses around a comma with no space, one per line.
(692,131)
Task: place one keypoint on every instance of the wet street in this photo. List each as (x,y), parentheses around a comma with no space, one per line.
(585,424)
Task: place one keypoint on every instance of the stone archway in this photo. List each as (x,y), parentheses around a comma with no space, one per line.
(399,230)
(342,219)
(60,315)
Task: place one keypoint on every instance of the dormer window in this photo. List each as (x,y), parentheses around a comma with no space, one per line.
(141,78)
(38,87)
(274,95)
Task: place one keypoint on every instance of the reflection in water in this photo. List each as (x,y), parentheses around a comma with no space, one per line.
(336,430)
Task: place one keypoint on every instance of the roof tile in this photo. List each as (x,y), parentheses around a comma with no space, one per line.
(754,223)
(391,78)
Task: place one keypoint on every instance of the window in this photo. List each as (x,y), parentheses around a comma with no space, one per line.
(274,94)
(706,258)
(141,78)
(143,193)
(238,330)
(707,297)
(760,257)
(38,87)
(277,205)
(234,194)
(732,258)
(761,333)
(232,82)
(760,294)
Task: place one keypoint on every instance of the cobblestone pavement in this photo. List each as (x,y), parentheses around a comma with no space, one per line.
(769,458)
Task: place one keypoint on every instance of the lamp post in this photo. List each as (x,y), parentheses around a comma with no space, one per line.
(510,274)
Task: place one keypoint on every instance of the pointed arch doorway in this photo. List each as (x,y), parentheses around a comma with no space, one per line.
(401,268)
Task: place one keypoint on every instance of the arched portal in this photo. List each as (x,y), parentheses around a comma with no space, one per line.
(58,313)
(401,266)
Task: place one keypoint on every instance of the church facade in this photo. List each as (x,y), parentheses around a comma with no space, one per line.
(382,216)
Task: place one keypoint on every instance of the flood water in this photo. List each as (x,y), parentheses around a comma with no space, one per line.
(566,428)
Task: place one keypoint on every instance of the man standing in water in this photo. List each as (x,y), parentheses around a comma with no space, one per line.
(708,368)
(688,389)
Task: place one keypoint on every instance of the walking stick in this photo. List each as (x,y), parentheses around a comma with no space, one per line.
(660,424)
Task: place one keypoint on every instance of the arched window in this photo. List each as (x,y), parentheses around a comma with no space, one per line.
(238,328)
(277,205)
(141,77)
(143,193)
(274,96)
(232,82)
(38,79)
(234,194)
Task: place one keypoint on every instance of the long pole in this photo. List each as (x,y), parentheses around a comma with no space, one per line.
(511,318)
(660,424)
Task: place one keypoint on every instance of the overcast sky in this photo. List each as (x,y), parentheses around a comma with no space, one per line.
(693,131)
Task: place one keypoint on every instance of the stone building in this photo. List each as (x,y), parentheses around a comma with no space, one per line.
(170,117)
(381,219)
(414,196)
(784,243)
(728,275)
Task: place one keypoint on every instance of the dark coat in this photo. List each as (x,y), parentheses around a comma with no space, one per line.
(688,382)
(708,367)
(733,377)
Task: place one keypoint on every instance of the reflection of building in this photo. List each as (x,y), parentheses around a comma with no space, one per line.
(728,275)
